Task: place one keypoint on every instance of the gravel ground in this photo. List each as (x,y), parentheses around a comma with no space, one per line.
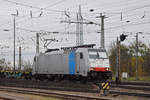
(18,96)
(130,90)
(129,98)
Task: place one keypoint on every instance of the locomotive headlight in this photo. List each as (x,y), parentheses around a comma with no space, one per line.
(107,69)
(91,68)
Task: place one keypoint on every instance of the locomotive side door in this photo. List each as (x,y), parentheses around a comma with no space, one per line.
(36,64)
(80,63)
(77,62)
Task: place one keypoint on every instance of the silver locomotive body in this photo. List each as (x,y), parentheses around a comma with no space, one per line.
(78,63)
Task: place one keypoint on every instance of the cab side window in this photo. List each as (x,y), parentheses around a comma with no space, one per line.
(81,55)
(34,59)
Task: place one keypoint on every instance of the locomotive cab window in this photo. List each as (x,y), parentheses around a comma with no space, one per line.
(34,58)
(81,55)
(96,54)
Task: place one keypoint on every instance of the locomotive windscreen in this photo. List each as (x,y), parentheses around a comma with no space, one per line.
(98,58)
(97,54)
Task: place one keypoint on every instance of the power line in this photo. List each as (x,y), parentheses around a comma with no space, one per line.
(136,8)
(52,5)
(120,5)
(21,4)
(127,25)
(35,7)
(132,18)
(45,8)
(126,15)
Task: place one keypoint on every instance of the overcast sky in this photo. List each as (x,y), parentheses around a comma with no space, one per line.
(47,15)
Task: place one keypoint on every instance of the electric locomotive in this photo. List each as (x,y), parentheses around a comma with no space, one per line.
(83,63)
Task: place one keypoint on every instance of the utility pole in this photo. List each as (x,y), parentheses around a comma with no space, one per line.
(137,47)
(14,31)
(102,31)
(77,31)
(118,62)
(20,58)
(102,43)
(37,43)
(37,51)
(80,31)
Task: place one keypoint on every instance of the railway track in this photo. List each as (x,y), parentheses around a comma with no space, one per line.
(132,88)
(135,87)
(2,98)
(146,95)
(140,83)
(46,93)
(119,89)
(145,86)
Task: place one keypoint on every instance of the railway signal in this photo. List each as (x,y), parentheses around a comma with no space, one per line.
(123,37)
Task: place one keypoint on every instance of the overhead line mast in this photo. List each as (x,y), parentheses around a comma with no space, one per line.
(79,31)
(102,42)
(79,27)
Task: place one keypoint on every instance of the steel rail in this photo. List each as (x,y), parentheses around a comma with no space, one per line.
(53,94)
(132,87)
(147,95)
(133,83)
(80,89)
(2,98)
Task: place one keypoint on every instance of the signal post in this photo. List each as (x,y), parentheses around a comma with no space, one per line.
(122,38)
